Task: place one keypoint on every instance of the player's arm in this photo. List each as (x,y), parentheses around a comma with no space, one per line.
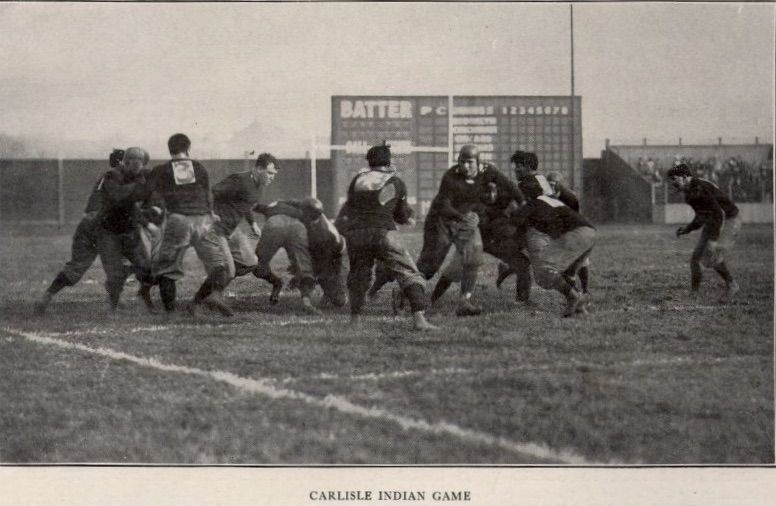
(707,213)
(402,212)
(507,187)
(446,209)
(520,216)
(205,182)
(567,197)
(114,191)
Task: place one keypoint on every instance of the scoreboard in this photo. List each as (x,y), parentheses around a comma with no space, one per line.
(426,133)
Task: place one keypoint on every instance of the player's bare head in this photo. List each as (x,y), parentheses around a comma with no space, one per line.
(115,158)
(135,159)
(679,176)
(178,144)
(379,156)
(469,159)
(524,162)
(265,169)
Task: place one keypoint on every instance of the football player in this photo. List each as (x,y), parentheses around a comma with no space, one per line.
(717,217)
(376,202)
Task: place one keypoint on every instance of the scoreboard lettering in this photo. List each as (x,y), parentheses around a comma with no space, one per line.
(497,125)
(376,109)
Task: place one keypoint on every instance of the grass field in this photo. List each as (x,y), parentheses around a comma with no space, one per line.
(649,376)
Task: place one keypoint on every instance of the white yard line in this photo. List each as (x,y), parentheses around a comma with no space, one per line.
(264,387)
(511,370)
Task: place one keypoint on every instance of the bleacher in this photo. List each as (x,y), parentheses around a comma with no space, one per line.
(639,191)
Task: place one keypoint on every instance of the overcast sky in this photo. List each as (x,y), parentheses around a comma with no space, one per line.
(82,78)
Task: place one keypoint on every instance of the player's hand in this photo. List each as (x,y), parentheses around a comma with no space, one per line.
(411,222)
(712,246)
(471,219)
(216,218)
(256,230)
(680,231)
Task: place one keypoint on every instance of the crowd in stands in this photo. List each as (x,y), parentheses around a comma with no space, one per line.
(742,180)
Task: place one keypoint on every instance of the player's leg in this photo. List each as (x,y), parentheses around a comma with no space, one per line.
(697,256)
(521,266)
(332,278)
(361,253)
(146,251)
(451,273)
(270,242)
(83,252)
(469,243)
(584,278)
(550,259)
(436,244)
(168,267)
(243,253)
(212,248)
(297,247)
(725,243)
(111,250)
(412,282)
(382,277)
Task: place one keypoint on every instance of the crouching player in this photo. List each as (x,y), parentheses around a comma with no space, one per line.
(525,166)
(558,242)
(377,200)
(718,219)
(83,250)
(314,247)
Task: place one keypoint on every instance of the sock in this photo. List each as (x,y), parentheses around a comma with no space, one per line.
(59,283)
(695,276)
(723,271)
(584,276)
(167,293)
(417,296)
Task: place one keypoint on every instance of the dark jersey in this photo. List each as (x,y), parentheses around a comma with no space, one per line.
(94,204)
(711,206)
(120,193)
(534,185)
(458,195)
(181,186)
(234,198)
(376,199)
(290,208)
(549,216)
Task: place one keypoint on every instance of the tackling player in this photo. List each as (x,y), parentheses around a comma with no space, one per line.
(83,250)
(118,238)
(525,166)
(558,239)
(314,247)
(233,200)
(717,217)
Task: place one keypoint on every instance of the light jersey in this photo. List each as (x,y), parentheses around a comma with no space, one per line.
(552,201)
(377,181)
(377,198)
(535,185)
(183,172)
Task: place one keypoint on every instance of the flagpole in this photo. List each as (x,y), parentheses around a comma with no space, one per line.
(573,122)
